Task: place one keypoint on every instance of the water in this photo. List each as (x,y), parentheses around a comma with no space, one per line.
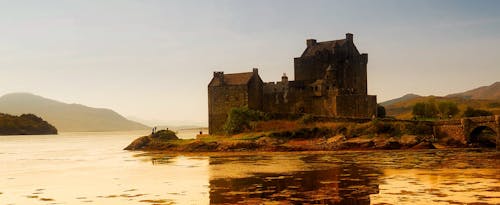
(90,168)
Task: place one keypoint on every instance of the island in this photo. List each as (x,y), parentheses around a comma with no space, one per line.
(249,130)
(325,107)
(25,124)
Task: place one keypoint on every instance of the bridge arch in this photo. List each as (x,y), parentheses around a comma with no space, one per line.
(483,136)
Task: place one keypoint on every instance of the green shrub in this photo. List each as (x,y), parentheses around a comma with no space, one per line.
(381,111)
(447,109)
(239,119)
(494,105)
(165,135)
(303,133)
(422,128)
(306,119)
(384,127)
(471,112)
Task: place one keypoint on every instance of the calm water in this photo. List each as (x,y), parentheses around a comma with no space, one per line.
(90,168)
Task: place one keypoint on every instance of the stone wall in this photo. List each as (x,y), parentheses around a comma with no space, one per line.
(356,105)
(450,131)
(221,100)
(255,93)
(461,129)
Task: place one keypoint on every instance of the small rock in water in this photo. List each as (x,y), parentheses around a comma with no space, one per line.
(424,145)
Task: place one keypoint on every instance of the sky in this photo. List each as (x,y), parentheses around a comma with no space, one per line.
(152,60)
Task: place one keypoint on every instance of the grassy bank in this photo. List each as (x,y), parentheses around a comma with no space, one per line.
(286,135)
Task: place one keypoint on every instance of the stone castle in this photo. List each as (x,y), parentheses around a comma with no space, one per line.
(330,81)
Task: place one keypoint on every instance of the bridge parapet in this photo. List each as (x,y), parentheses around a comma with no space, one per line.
(463,129)
(482,119)
(448,122)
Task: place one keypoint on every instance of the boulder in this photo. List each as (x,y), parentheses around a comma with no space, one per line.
(356,144)
(424,145)
(409,140)
(388,144)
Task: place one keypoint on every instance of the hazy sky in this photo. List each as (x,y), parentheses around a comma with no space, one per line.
(154,59)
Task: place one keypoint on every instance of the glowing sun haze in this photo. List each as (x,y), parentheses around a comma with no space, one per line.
(153,59)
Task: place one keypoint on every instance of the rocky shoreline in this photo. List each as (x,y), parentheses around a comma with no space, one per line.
(316,137)
(268,144)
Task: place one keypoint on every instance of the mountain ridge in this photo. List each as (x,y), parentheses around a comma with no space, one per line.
(67,117)
(488,92)
(484,97)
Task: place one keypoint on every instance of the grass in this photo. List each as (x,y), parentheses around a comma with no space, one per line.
(290,135)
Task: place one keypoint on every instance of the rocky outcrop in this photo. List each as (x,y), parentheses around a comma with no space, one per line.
(155,141)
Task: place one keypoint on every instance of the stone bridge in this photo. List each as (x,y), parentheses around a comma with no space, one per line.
(468,130)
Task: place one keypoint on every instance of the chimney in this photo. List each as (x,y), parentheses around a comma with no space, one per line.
(255,71)
(310,42)
(219,75)
(349,37)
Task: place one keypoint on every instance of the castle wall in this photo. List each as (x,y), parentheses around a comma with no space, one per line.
(255,93)
(221,100)
(309,69)
(363,106)
(292,97)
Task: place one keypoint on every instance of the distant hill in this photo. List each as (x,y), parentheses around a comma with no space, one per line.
(26,124)
(67,117)
(400,99)
(486,98)
(491,92)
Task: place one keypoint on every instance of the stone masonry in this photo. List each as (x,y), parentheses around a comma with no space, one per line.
(330,81)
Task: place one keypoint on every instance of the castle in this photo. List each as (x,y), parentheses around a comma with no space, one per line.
(330,81)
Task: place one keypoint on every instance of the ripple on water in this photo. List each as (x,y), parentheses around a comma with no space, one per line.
(157,201)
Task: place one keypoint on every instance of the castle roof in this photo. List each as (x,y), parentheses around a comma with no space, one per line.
(237,78)
(320,46)
(231,79)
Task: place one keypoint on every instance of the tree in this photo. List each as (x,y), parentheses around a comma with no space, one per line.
(239,119)
(431,110)
(425,109)
(418,109)
(471,112)
(447,109)
(381,111)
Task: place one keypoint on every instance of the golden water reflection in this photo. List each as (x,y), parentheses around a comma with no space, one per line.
(397,177)
(74,169)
